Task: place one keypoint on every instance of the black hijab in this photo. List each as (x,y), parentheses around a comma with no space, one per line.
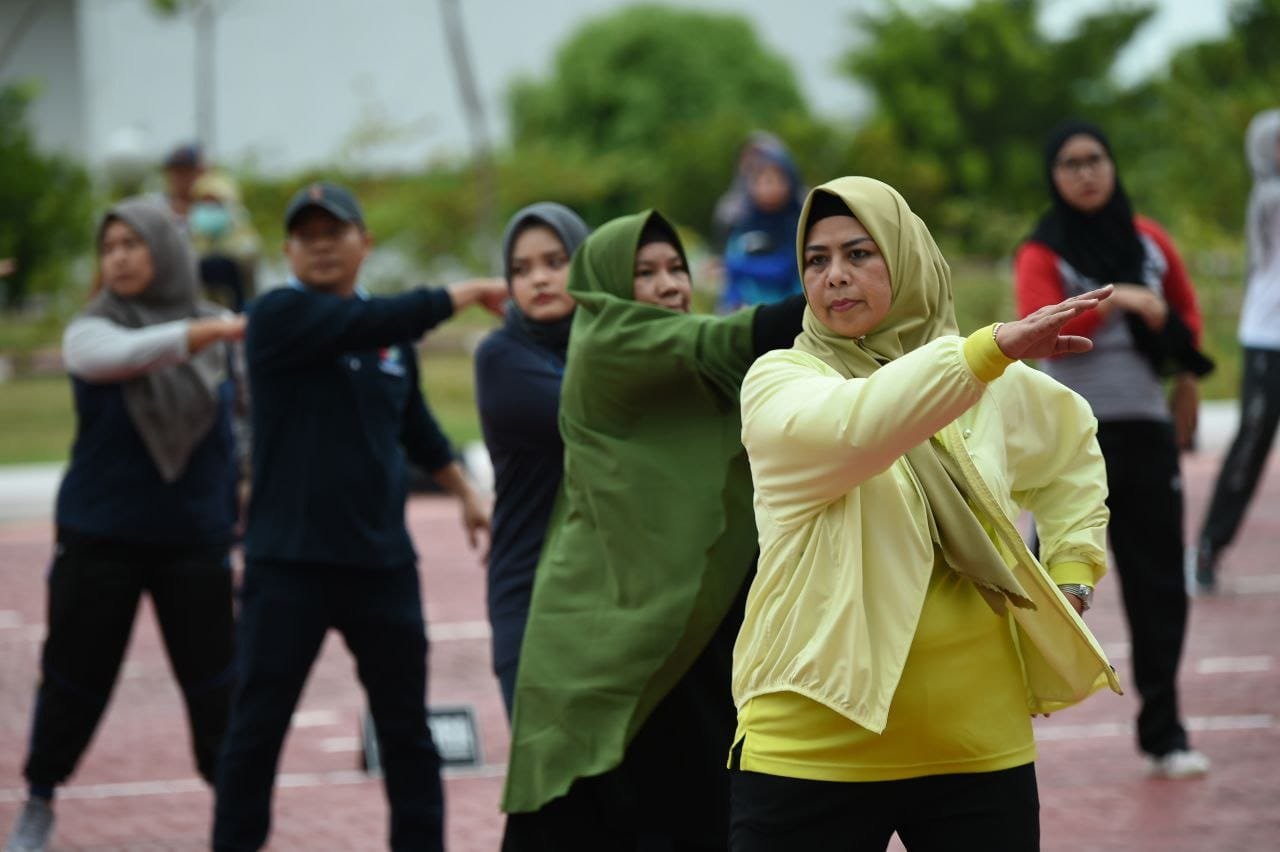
(1105,246)
(571,230)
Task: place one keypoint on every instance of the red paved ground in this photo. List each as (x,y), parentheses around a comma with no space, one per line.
(136,789)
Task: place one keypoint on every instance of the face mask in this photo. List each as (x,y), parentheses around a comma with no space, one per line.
(209,220)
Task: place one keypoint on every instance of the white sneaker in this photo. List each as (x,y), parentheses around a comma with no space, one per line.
(1184,763)
(35,824)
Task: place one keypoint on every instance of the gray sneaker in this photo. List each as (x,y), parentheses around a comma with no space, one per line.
(35,824)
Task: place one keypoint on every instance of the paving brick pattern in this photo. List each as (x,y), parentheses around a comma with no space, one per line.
(136,788)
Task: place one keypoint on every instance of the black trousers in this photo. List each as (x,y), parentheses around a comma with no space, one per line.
(286,610)
(671,792)
(1242,469)
(95,585)
(1146,538)
(982,812)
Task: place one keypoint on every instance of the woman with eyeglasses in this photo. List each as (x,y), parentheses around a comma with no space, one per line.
(1145,336)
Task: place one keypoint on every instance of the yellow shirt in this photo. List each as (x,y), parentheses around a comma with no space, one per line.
(847,559)
(961,649)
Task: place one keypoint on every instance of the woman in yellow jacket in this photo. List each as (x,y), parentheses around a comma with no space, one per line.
(899,635)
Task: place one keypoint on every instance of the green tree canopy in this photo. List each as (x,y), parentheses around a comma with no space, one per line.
(45,208)
(660,99)
(964,96)
(624,81)
(1184,140)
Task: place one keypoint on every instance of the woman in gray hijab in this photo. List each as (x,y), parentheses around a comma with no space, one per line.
(148,503)
(519,368)
(1260,337)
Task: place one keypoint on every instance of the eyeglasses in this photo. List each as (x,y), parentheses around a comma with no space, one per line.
(1075,166)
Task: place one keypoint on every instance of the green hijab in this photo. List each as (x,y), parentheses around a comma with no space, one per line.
(653,533)
(922,309)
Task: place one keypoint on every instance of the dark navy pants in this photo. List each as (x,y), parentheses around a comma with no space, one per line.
(286,610)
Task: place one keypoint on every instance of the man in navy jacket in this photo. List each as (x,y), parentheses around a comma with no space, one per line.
(336,409)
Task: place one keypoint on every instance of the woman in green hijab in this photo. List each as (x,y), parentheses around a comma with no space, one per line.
(898,635)
(622,710)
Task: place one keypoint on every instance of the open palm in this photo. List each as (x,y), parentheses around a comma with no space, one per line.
(1039,335)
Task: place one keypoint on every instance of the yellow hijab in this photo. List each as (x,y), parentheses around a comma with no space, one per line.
(922,309)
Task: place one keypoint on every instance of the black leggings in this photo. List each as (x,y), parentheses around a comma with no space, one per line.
(671,792)
(1145,499)
(94,589)
(981,811)
(1238,479)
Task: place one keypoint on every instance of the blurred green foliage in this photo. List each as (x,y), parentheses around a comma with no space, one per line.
(1183,137)
(647,106)
(651,102)
(629,81)
(46,207)
(970,93)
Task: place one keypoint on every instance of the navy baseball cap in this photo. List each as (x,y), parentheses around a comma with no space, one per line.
(329,197)
(184,156)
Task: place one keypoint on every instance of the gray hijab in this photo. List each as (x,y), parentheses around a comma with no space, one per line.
(173,408)
(1262,221)
(572,231)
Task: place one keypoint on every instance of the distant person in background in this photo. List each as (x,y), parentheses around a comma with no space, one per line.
(1149,329)
(224,240)
(519,368)
(182,168)
(735,203)
(759,260)
(338,410)
(1260,337)
(148,503)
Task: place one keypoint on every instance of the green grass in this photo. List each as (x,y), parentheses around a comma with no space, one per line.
(448,382)
(37,423)
(21,335)
(36,420)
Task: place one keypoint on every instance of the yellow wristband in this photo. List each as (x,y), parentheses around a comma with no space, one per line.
(983,354)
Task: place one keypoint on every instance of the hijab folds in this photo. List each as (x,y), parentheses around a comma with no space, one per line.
(571,230)
(1262,145)
(922,310)
(173,408)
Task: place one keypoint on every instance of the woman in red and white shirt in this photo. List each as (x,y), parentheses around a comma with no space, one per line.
(1148,331)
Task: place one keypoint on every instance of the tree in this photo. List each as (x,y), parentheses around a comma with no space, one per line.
(965,96)
(46,206)
(669,93)
(1187,144)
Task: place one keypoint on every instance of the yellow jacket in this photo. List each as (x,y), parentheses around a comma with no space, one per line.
(845,546)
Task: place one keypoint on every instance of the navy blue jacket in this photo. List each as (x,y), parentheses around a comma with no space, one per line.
(518,395)
(113,489)
(336,408)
